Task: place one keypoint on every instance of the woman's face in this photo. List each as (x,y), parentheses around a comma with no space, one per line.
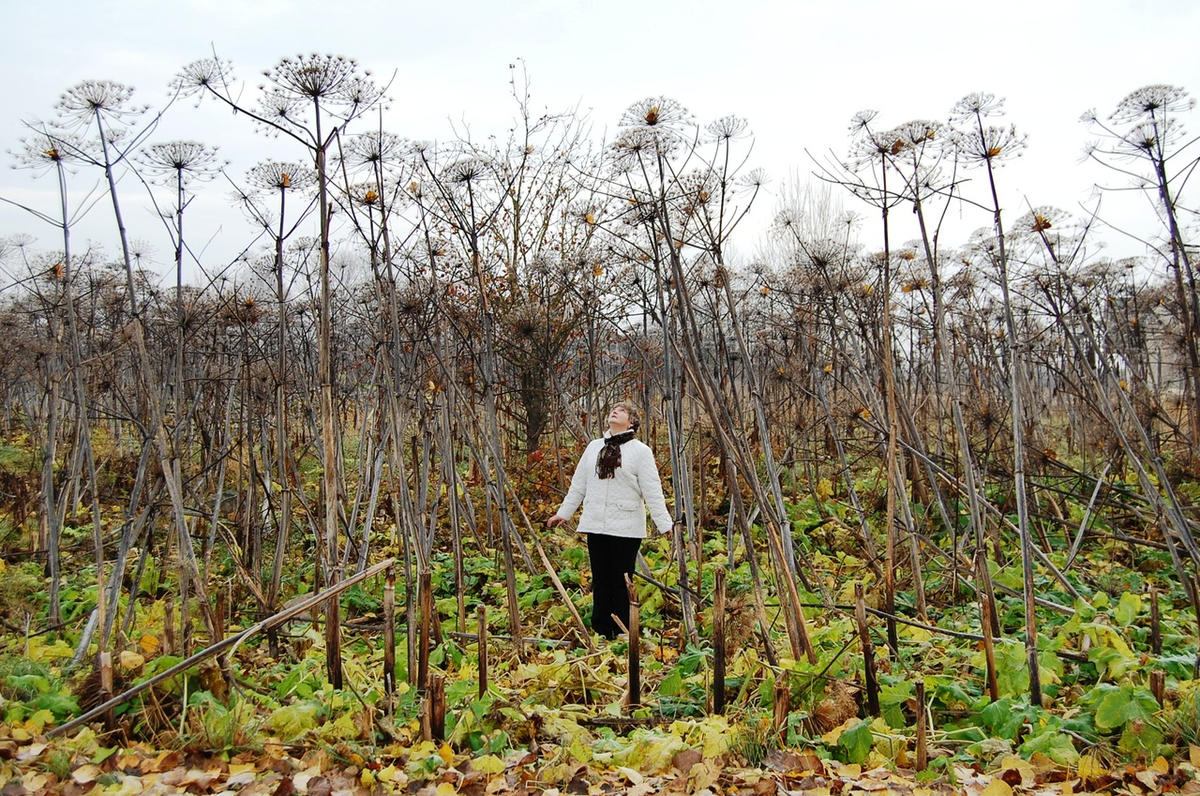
(618,420)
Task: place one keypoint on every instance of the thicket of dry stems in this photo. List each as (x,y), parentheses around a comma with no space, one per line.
(430,331)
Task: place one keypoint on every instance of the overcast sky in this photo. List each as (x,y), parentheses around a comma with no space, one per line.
(798,70)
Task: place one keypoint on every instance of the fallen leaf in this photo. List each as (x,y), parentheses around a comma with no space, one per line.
(997,787)
(1016,771)
(286,787)
(634,777)
(683,761)
(1090,767)
(36,782)
(1148,778)
(241,778)
(488,764)
(703,776)
(321,786)
(31,751)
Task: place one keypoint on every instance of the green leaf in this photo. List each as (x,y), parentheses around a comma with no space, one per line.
(1178,666)
(952,695)
(59,705)
(854,745)
(1140,738)
(1005,717)
(1120,706)
(671,685)
(292,721)
(1054,745)
(1111,662)
(1012,669)
(892,697)
(103,753)
(29,683)
(1127,609)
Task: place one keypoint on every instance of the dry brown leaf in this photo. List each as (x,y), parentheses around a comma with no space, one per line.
(683,761)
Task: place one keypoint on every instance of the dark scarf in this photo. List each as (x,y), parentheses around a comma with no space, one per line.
(610,455)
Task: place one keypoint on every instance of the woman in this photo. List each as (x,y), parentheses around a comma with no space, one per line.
(615,480)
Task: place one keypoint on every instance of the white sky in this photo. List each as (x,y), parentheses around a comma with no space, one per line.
(796,69)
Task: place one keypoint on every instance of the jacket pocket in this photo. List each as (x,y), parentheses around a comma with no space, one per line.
(627,505)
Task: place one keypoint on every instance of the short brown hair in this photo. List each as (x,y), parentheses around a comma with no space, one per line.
(635,416)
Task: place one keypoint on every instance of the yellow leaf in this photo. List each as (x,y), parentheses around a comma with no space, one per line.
(131,660)
(702,776)
(1021,766)
(446,753)
(591,219)
(446,789)
(634,777)
(997,787)
(488,764)
(1090,766)
(149,644)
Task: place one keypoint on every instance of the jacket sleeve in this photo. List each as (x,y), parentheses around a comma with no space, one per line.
(579,482)
(650,484)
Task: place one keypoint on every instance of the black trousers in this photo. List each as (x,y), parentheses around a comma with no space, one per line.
(612,557)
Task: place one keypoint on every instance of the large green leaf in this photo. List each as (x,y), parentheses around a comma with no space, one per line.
(1127,609)
(1119,706)
(854,745)
(1054,744)
(60,705)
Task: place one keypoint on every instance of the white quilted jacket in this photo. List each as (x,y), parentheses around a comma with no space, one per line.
(617,506)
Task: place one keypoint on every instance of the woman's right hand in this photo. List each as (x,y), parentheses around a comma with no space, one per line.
(555,520)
